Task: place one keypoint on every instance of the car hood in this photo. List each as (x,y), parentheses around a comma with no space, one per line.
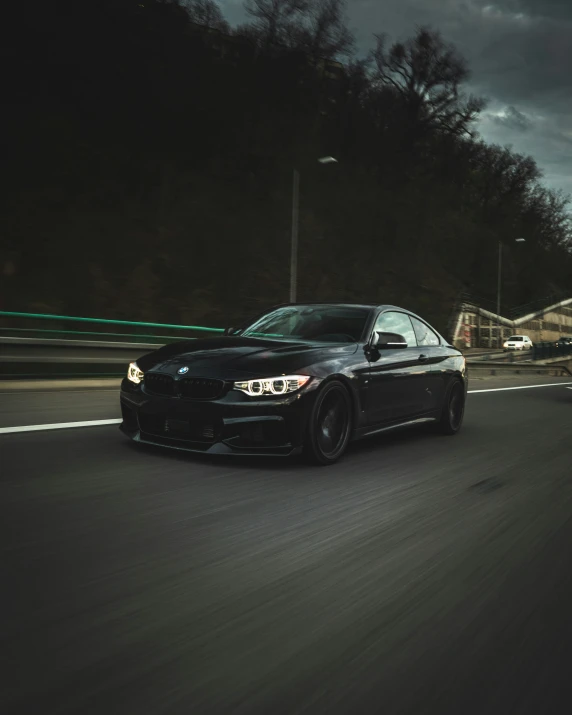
(236,358)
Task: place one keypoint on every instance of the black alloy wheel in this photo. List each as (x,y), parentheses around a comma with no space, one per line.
(453,408)
(329,426)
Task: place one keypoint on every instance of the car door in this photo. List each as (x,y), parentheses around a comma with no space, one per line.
(434,355)
(398,379)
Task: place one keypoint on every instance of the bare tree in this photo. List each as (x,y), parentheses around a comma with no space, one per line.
(427,74)
(274,18)
(207,13)
(325,32)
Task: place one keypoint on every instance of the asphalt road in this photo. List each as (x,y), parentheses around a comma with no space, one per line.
(57,406)
(422,574)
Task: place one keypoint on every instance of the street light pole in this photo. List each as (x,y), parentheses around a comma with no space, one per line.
(295,226)
(499,296)
(499,341)
(294,241)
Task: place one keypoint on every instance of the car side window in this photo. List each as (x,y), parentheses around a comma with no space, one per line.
(424,334)
(400,323)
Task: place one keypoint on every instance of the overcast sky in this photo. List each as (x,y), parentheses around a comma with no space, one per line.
(520,54)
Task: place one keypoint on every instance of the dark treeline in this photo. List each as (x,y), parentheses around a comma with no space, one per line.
(149,150)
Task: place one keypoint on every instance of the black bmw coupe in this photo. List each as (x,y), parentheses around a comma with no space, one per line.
(298,379)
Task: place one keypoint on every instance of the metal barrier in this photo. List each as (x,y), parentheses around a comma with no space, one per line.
(551,351)
(35,319)
(30,350)
(509,356)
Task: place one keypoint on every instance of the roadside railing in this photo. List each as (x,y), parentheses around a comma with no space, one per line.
(551,351)
(500,355)
(42,345)
(49,326)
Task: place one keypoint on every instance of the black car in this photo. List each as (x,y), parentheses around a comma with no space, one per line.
(299,378)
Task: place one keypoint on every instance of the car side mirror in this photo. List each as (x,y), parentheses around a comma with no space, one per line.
(390,341)
(232,331)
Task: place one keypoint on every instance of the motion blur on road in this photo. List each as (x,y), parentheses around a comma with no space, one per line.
(420,574)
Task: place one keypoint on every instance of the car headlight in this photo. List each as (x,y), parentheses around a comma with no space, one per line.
(272,385)
(134,373)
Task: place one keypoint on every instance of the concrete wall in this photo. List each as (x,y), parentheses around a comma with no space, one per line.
(478,328)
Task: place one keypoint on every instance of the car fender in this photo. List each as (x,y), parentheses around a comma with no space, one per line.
(339,377)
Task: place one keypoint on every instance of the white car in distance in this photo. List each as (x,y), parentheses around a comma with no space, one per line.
(518,342)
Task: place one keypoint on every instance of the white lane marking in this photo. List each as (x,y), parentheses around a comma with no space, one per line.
(521,387)
(60,425)
(51,392)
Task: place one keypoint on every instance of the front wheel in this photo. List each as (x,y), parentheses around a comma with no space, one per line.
(453,409)
(329,425)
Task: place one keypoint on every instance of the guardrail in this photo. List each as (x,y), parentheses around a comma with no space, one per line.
(550,351)
(492,367)
(33,358)
(35,322)
(512,356)
(39,345)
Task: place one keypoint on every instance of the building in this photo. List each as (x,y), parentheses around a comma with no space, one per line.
(477,327)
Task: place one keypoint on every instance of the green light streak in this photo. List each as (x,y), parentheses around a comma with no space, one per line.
(106,321)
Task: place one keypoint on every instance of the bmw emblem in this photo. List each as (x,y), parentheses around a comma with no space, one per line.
(183,370)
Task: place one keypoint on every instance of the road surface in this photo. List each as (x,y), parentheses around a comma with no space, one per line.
(421,574)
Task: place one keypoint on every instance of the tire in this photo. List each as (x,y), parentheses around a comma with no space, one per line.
(329,425)
(453,409)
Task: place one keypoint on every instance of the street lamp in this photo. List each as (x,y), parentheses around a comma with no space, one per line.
(516,240)
(295,226)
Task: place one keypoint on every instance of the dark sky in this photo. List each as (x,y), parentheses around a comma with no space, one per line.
(520,53)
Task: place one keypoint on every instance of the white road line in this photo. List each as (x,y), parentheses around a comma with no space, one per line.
(521,387)
(51,392)
(60,425)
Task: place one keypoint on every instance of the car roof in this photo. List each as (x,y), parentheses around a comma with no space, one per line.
(369,306)
(345,304)
(341,304)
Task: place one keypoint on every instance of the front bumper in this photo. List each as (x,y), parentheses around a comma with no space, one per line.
(233,424)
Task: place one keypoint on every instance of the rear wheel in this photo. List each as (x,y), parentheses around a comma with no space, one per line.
(453,408)
(329,425)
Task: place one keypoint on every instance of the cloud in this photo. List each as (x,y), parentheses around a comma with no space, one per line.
(512,119)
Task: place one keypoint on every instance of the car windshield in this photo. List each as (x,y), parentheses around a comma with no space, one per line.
(321,323)
(516,337)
